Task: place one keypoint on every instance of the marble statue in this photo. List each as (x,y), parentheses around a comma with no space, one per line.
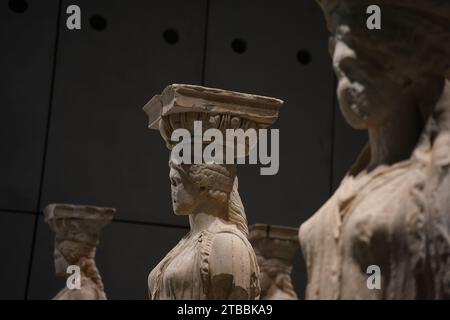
(392,209)
(77,231)
(215,259)
(275,248)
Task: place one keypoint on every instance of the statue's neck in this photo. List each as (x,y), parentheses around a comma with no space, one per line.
(206,214)
(202,221)
(395,141)
(398,138)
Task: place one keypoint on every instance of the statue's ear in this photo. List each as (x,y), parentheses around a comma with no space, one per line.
(202,190)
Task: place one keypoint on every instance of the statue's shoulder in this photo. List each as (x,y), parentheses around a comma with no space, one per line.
(226,243)
(229,259)
(226,239)
(231,242)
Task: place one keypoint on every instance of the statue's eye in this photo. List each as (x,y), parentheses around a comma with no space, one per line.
(173,182)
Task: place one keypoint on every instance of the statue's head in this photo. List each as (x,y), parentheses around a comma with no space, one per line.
(77,230)
(207,188)
(379,71)
(197,186)
(275,273)
(266,278)
(275,247)
(69,252)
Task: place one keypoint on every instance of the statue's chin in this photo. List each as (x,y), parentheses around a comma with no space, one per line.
(352,112)
(360,119)
(353,118)
(179,212)
(358,109)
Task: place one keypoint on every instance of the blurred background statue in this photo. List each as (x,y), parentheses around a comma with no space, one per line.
(77,231)
(275,248)
(392,210)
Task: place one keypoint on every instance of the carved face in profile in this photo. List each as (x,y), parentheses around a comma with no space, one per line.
(185,194)
(61,263)
(381,71)
(367,95)
(275,274)
(68,252)
(203,186)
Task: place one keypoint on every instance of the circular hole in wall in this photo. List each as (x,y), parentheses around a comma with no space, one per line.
(171,36)
(18,6)
(98,22)
(239,45)
(303,57)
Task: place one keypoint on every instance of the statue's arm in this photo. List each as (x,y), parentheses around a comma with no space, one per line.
(229,268)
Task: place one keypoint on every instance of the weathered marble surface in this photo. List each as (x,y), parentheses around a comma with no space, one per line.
(275,248)
(214,260)
(393,207)
(77,232)
(182,98)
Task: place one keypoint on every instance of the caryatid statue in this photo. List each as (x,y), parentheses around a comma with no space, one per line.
(385,233)
(275,248)
(215,259)
(77,231)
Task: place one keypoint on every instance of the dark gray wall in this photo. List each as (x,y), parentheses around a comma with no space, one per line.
(72,129)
